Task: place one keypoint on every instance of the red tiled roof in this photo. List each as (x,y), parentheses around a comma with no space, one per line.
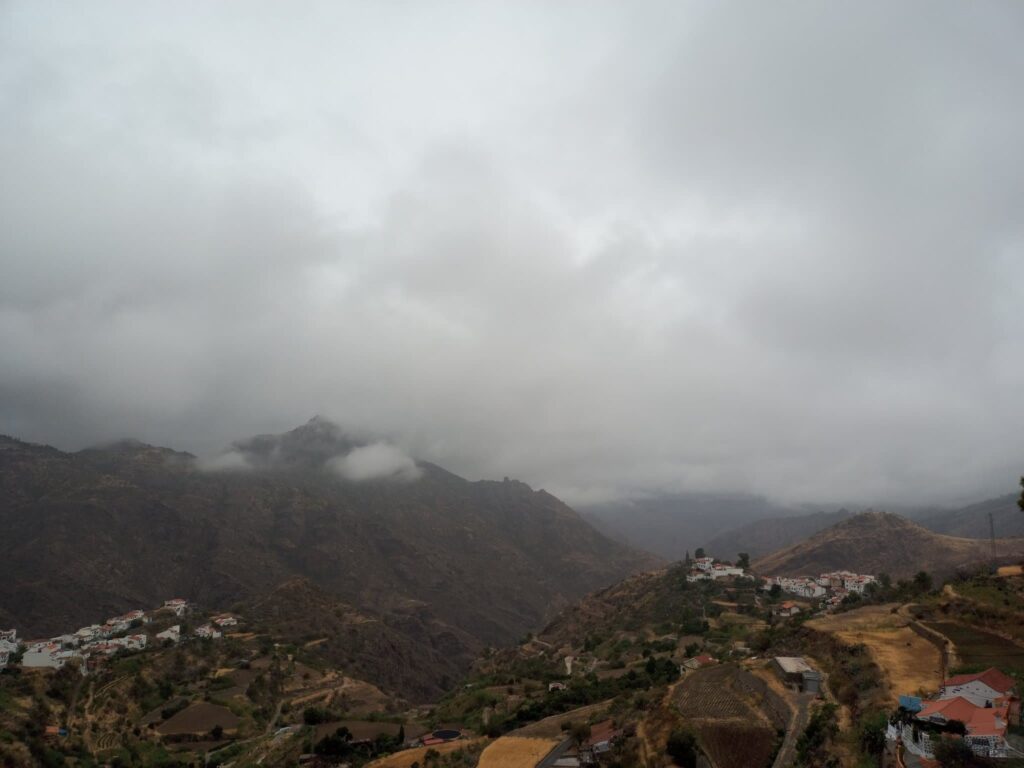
(991,677)
(980,721)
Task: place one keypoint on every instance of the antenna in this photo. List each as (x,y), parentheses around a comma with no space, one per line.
(992,535)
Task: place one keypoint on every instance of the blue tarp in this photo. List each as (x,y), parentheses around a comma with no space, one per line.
(911,703)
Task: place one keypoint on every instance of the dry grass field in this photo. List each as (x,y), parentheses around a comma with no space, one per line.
(516,752)
(909,662)
(407,757)
(551,727)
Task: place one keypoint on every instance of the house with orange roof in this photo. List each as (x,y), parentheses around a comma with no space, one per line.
(986,726)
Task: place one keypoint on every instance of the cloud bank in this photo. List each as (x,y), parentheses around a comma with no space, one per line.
(378,461)
(605,248)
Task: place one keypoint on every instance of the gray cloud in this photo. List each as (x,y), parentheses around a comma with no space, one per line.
(376,461)
(605,248)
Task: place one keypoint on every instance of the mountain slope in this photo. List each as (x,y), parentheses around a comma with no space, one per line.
(971,521)
(443,560)
(880,542)
(763,536)
(672,524)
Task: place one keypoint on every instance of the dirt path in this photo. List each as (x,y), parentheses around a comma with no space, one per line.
(797,725)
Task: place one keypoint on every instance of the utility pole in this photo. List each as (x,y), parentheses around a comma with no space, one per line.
(992,536)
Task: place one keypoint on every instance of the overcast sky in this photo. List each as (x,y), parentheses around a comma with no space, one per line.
(604,248)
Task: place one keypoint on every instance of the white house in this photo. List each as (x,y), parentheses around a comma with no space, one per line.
(47,655)
(90,633)
(178,605)
(225,620)
(981,689)
(698,576)
(207,631)
(171,633)
(10,635)
(131,642)
(720,571)
(787,609)
(704,563)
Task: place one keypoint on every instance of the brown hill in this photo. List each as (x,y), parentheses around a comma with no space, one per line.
(762,537)
(880,542)
(448,563)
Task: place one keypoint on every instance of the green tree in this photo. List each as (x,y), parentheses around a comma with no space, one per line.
(872,734)
(744,561)
(579,732)
(682,748)
(954,753)
(699,552)
(923,581)
(1020,501)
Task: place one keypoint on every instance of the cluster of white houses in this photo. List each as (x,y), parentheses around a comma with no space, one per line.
(833,587)
(91,644)
(706,569)
(982,705)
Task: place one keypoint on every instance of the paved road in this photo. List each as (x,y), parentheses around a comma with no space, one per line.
(554,754)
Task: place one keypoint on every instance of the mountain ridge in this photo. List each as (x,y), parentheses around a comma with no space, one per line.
(128,524)
(883,542)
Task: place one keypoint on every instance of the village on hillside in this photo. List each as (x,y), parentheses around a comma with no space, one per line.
(703,659)
(90,646)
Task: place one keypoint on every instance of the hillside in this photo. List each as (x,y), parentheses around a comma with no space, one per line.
(763,536)
(880,542)
(971,521)
(669,525)
(446,562)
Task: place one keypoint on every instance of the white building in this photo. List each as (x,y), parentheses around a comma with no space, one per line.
(722,571)
(225,620)
(48,655)
(10,635)
(207,631)
(178,605)
(704,563)
(981,689)
(171,633)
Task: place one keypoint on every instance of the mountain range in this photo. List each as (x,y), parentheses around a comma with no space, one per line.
(439,565)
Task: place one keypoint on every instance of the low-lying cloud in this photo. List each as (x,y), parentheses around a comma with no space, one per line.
(606,248)
(378,461)
(229,461)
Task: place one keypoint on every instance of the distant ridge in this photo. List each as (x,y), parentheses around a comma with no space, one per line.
(881,542)
(763,536)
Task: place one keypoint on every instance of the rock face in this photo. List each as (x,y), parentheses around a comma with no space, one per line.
(443,563)
(880,542)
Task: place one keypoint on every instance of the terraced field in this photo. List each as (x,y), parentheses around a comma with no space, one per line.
(732,732)
(707,694)
(979,650)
